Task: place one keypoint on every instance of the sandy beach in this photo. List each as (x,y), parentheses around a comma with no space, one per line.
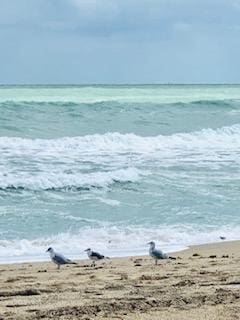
(202,283)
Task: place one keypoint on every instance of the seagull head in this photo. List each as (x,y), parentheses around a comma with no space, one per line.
(151,244)
(50,249)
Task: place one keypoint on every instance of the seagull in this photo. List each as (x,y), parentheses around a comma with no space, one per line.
(222,238)
(58,258)
(157,254)
(94,256)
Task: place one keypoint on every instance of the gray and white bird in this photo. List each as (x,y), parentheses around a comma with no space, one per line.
(58,258)
(95,256)
(157,254)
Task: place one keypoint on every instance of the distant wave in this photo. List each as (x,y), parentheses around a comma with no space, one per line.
(119,102)
(55,119)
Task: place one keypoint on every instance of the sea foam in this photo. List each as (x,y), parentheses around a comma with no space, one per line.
(113,241)
(101,160)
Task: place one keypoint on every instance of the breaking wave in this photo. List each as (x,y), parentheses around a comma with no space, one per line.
(101,160)
(78,181)
(117,142)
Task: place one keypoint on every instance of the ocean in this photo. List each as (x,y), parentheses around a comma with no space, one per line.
(114,167)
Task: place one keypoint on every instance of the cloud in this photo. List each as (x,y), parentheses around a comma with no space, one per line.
(119,40)
(112,16)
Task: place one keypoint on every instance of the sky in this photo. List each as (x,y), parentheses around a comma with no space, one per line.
(119,41)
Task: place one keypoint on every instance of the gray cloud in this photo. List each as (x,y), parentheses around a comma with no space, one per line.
(80,41)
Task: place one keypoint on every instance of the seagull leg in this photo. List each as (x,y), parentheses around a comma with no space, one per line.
(155,261)
(58,267)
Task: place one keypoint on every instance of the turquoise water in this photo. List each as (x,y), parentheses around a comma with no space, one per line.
(113,167)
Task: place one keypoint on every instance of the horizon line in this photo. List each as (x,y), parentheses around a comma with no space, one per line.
(116,84)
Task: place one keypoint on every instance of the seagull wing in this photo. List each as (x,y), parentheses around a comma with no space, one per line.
(60,259)
(97,255)
(159,254)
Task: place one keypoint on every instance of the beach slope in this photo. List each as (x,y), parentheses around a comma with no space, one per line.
(202,283)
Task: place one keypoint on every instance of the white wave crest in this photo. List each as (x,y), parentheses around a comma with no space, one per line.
(100,160)
(224,137)
(58,180)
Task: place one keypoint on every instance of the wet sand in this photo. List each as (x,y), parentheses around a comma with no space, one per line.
(202,283)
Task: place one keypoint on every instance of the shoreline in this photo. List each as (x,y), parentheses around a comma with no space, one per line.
(208,247)
(202,283)
(45,257)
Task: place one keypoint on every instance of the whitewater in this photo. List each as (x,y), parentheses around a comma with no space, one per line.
(114,167)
